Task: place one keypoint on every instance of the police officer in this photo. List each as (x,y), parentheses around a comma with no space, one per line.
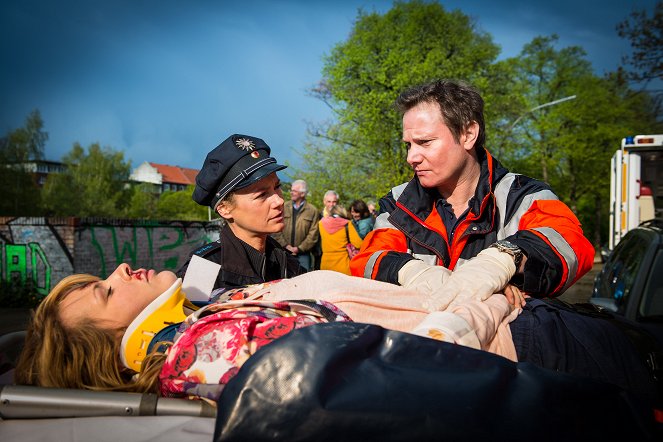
(238,181)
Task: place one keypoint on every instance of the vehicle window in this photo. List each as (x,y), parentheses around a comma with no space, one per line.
(621,270)
(652,301)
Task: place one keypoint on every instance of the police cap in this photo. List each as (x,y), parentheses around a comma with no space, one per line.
(238,162)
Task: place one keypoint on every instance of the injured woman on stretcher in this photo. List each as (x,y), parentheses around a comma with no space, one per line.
(136,331)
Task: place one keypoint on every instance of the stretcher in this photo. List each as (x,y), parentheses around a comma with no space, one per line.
(29,413)
(350,381)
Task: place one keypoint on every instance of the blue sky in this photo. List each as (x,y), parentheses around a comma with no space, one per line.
(166,81)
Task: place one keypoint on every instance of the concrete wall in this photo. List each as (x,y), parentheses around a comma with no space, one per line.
(41,251)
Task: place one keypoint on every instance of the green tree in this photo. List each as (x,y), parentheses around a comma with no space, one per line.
(646,36)
(646,62)
(180,206)
(26,143)
(143,202)
(93,185)
(549,74)
(17,148)
(360,152)
(569,145)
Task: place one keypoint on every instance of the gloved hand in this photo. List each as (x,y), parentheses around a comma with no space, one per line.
(424,278)
(448,327)
(480,277)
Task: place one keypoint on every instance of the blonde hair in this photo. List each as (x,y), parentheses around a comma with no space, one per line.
(228,201)
(338,211)
(82,355)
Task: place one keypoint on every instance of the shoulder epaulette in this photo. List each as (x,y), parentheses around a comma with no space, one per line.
(207,249)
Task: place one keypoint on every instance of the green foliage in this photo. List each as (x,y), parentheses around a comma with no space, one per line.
(21,196)
(646,36)
(143,202)
(20,193)
(361,155)
(569,145)
(92,186)
(25,143)
(180,206)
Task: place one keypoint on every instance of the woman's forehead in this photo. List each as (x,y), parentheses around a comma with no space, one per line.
(75,302)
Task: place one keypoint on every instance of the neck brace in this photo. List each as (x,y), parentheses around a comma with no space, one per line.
(167,309)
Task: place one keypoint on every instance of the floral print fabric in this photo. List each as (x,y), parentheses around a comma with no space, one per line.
(214,342)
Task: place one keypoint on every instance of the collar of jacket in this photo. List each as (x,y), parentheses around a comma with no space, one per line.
(236,260)
(288,206)
(301,206)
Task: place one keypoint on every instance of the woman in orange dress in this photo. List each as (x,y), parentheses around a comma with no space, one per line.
(335,230)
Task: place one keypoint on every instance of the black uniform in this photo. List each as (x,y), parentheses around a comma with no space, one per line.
(241,264)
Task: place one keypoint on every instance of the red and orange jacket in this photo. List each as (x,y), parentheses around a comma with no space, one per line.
(507,206)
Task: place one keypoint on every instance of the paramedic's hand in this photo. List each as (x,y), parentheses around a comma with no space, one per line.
(422,277)
(514,296)
(477,279)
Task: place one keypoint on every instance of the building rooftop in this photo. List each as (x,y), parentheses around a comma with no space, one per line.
(176,174)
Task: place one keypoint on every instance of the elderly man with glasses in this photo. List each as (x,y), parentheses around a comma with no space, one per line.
(300,234)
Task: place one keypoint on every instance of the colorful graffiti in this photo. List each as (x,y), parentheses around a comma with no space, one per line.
(20,259)
(162,248)
(41,251)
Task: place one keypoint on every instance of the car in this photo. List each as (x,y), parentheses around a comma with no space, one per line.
(630,283)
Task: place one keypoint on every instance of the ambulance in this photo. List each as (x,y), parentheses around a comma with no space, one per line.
(636,184)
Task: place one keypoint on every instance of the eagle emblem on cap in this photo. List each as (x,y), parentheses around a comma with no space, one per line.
(245,144)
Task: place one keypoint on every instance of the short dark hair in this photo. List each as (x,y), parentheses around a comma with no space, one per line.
(460,104)
(361,208)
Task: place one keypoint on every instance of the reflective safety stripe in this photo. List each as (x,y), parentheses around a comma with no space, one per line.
(512,226)
(564,249)
(370,264)
(397,191)
(382,222)
(501,196)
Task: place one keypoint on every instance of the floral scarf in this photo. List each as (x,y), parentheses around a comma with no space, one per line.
(214,342)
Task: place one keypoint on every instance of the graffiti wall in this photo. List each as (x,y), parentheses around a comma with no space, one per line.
(41,251)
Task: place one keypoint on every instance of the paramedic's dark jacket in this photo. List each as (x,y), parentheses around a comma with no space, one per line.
(241,264)
(505,206)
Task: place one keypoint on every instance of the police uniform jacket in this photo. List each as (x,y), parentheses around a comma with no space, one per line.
(506,205)
(242,265)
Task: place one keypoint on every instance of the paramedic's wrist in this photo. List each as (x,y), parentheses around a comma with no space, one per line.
(512,249)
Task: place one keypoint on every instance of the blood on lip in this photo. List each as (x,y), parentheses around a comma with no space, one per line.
(138,274)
